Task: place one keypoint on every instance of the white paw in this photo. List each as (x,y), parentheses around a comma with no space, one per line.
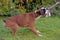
(39,35)
(38,32)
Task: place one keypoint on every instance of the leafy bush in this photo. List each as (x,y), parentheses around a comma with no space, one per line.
(7,7)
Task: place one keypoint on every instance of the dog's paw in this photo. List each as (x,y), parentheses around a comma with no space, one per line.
(38,32)
(39,35)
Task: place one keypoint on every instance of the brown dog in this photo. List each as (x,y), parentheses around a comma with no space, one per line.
(25,20)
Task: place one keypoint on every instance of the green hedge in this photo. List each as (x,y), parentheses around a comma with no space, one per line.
(7,7)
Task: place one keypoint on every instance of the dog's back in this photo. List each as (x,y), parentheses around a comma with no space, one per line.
(20,19)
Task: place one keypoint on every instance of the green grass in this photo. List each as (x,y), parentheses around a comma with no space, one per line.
(49,28)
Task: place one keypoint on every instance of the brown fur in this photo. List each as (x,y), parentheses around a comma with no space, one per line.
(25,20)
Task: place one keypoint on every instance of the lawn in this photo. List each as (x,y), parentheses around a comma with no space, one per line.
(49,28)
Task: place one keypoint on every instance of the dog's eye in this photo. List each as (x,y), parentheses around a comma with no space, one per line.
(38,12)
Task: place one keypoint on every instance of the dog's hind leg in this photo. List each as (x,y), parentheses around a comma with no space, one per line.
(14,28)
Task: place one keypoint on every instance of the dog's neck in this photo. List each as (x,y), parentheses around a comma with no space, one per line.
(34,14)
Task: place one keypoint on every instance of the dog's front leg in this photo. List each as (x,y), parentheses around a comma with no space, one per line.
(33,29)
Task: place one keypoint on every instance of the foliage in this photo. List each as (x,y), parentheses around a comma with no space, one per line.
(8,7)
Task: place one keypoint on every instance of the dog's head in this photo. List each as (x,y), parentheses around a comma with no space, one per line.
(40,12)
(43,11)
